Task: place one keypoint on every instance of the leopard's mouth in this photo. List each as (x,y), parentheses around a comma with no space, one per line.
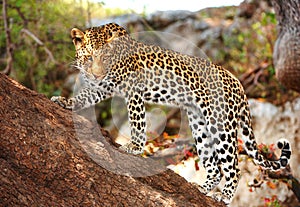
(97,75)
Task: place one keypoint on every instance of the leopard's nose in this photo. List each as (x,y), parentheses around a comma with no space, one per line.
(96,76)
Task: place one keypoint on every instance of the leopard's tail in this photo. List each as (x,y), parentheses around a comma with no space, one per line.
(251,145)
(282,162)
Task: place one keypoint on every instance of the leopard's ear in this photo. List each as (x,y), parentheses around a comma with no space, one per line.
(77,37)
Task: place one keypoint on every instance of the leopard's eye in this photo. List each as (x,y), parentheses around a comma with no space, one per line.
(90,58)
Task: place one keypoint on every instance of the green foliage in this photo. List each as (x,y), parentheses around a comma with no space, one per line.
(248,52)
(253,45)
(40,34)
(40,30)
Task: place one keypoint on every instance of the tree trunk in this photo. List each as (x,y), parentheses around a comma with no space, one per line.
(286,56)
(45,162)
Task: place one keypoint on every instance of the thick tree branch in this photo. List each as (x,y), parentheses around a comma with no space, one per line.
(46,161)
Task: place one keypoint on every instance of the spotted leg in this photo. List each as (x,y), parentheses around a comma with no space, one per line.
(214,172)
(227,156)
(137,121)
(205,149)
(86,98)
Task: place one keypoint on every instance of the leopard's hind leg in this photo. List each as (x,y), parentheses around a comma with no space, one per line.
(205,149)
(213,173)
(228,160)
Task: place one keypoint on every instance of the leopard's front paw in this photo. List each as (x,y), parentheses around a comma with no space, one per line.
(63,102)
(132,148)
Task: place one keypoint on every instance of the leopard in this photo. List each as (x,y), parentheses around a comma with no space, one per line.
(113,63)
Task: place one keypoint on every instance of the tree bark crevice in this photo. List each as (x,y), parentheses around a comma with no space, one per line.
(45,164)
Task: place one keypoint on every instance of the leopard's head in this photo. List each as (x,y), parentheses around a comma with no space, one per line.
(90,45)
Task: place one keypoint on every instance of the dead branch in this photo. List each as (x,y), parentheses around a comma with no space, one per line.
(284,175)
(250,78)
(40,43)
(9,44)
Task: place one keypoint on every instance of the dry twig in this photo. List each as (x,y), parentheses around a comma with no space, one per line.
(250,79)
(9,45)
(40,43)
(285,175)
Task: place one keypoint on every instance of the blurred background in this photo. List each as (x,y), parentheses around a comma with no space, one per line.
(240,37)
(37,51)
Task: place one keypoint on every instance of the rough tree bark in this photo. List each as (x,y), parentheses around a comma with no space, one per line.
(43,163)
(286,55)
